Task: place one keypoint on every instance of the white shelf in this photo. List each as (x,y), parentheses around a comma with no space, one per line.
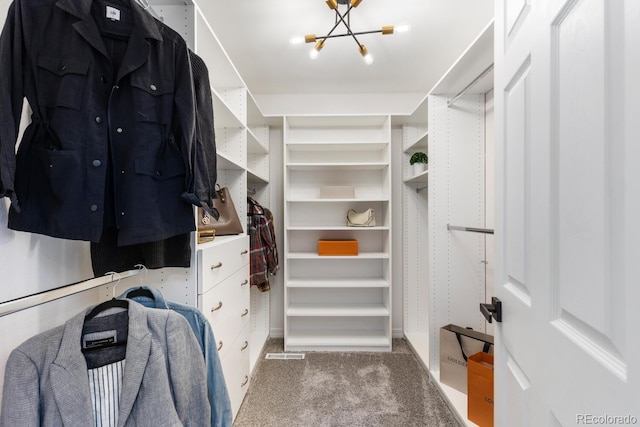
(257,178)
(358,200)
(361,255)
(336,146)
(372,340)
(225,162)
(341,121)
(338,283)
(421,178)
(337,310)
(334,227)
(254,143)
(337,165)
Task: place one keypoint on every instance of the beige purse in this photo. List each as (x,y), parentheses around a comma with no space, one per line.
(361,219)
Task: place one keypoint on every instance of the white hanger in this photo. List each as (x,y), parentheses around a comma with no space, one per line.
(113,273)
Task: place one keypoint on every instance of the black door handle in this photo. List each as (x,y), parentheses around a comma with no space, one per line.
(492,310)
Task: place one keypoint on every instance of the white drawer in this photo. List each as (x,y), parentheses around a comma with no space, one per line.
(217,262)
(229,298)
(233,298)
(235,366)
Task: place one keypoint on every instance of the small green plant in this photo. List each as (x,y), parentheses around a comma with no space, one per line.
(418,157)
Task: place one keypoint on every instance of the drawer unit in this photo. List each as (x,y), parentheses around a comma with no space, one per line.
(219,261)
(224,297)
(235,366)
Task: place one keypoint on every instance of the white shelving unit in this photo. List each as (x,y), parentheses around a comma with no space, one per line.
(242,145)
(337,302)
(444,273)
(415,137)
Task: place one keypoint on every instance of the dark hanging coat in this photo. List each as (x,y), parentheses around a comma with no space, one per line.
(137,118)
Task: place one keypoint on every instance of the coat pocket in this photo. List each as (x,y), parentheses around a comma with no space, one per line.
(160,169)
(152,98)
(61,81)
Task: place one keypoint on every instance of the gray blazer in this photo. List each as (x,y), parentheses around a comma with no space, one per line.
(164,382)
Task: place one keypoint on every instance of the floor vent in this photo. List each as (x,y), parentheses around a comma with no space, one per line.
(285,356)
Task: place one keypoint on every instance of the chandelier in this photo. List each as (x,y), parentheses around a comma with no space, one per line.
(345,19)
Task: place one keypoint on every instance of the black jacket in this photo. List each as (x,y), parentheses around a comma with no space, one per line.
(106,95)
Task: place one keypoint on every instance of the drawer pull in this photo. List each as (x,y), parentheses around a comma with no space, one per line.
(244,282)
(245,312)
(218,265)
(244,252)
(246,380)
(218,307)
(244,346)
(220,346)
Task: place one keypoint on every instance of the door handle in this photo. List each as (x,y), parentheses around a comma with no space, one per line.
(492,310)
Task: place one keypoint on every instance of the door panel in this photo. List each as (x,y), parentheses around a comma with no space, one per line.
(518,389)
(517,169)
(568,185)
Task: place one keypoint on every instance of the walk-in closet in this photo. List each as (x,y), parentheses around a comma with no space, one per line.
(259,214)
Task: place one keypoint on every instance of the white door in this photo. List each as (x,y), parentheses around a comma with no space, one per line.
(567,107)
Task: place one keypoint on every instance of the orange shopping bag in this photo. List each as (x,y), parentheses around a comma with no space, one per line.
(480,389)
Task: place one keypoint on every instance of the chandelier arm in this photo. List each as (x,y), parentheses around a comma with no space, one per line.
(332,36)
(347,25)
(331,31)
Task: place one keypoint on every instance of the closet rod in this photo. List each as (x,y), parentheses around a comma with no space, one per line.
(419,189)
(472,229)
(34,300)
(470,85)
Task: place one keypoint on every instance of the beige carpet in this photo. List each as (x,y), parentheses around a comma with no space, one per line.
(355,389)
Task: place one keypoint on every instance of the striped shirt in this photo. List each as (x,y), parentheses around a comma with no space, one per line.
(105,384)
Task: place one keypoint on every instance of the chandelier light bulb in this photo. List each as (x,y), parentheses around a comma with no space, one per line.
(313,53)
(402,28)
(296,40)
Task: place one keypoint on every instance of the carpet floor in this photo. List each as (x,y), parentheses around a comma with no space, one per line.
(355,389)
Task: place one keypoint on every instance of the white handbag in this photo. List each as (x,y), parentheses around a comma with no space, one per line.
(361,219)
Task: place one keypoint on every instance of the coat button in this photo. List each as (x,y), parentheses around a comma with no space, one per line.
(153,87)
(119,130)
(96,163)
(103,79)
(159,173)
(98,119)
(94,208)
(63,67)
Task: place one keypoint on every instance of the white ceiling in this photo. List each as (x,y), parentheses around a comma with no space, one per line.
(256,33)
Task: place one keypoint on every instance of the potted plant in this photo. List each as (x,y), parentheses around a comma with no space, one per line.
(419,162)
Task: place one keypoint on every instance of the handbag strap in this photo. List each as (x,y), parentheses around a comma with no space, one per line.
(485,348)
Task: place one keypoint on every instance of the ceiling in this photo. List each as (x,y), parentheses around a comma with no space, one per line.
(256,33)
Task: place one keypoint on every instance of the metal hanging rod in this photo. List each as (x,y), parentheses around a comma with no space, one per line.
(472,229)
(470,85)
(34,300)
(419,189)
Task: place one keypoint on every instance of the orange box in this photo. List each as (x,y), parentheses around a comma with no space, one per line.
(337,247)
